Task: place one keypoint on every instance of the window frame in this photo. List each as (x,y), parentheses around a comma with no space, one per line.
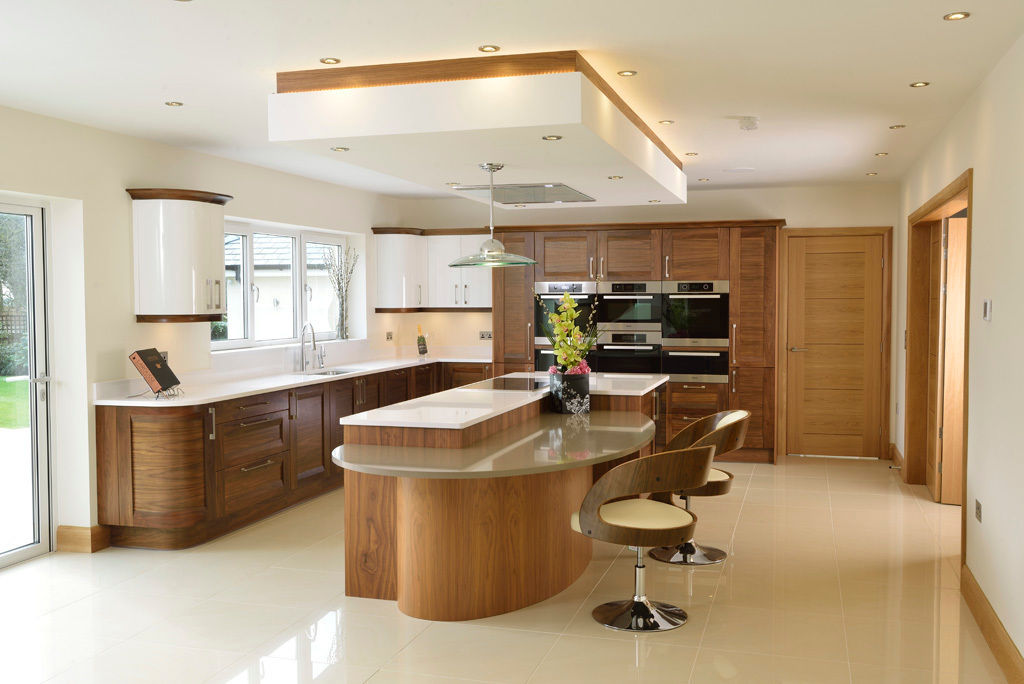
(300,302)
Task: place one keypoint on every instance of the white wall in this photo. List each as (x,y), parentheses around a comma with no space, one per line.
(986,134)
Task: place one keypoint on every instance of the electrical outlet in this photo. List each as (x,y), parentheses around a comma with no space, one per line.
(977,510)
(486,335)
(388,336)
(164,355)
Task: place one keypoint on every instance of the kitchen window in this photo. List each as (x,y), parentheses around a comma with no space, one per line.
(275,280)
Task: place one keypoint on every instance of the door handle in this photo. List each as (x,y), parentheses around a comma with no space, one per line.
(600,268)
(695,386)
(247,469)
(456,294)
(220,294)
(465,294)
(734,381)
(255,422)
(798,349)
(419,295)
(666,266)
(591,267)
(209,294)
(213,424)
(733,352)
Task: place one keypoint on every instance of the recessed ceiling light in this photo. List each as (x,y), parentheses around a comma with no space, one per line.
(330,60)
(654,201)
(871,173)
(956,16)
(691,154)
(520,206)
(920,84)
(703,180)
(881,154)
(551,138)
(174,103)
(896,127)
(666,122)
(452,184)
(488,48)
(614,177)
(627,72)
(339,148)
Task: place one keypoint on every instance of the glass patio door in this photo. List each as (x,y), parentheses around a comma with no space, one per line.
(24,456)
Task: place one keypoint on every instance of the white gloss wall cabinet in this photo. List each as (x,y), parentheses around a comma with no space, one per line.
(401,272)
(178,246)
(462,288)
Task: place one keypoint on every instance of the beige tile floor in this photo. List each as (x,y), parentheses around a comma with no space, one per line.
(837,573)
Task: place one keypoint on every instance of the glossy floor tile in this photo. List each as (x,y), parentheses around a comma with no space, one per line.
(837,572)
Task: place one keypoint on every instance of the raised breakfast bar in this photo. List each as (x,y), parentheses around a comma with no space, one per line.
(457,505)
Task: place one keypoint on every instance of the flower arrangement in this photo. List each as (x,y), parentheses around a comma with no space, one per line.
(341,266)
(570,342)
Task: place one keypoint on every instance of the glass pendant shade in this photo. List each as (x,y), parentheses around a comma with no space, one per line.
(492,253)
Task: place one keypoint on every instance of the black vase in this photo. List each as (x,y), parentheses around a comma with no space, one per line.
(570,393)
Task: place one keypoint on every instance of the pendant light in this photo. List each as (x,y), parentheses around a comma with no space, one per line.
(492,253)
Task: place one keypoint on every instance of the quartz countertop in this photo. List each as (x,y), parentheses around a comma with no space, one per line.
(459,408)
(546,443)
(206,393)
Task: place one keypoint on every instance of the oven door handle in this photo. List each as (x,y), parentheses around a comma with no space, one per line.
(695,353)
(695,296)
(633,347)
(627,296)
(574,296)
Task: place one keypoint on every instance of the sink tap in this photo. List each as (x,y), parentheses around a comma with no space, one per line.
(317,353)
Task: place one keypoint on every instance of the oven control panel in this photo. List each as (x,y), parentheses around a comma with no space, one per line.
(695,287)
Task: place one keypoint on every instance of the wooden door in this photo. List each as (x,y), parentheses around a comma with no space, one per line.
(629,255)
(695,254)
(513,305)
(753,389)
(310,452)
(752,273)
(936,283)
(395,387)
(834,345)
(423,382)
(566,255)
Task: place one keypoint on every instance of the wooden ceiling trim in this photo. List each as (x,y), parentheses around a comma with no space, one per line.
(177,194)
(466,68)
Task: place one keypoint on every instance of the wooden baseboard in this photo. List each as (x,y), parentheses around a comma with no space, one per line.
(895,456)
(82,539)
(1003,648)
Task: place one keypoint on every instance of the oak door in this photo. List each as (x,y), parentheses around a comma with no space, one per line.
(513,305)
(834,345)
(566,255)
(695,254)
(629,255)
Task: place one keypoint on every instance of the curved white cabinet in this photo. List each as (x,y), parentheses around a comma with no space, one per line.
(178,243)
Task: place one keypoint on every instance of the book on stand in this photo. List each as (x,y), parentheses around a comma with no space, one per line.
(154,370)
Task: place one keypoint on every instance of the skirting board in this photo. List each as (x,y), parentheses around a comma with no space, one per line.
(82,539)
(1003,648)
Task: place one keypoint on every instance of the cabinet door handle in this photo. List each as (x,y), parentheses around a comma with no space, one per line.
(465,294)
(591,267)
(255,422)
(213,424)
(249,406)
(666,266)
(220,294)
(419,295)
(695,386)
(209,294)
(249,469)
(734,381)
(798,349)
(733,352)
(456,300)
(600,268)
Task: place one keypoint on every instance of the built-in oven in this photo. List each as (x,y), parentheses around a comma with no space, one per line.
(629,302)
(695,314)
(686,365)
(627,348)
(546,300)
(544,358)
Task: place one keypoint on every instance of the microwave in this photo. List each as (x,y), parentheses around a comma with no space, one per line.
(686,365)
(695,314)
(629,302)
(546,299)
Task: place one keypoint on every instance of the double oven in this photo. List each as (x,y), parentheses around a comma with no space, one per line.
(680,328)
(695,330)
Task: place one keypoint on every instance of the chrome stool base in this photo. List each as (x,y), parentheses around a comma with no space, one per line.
(639,616)
(690,553)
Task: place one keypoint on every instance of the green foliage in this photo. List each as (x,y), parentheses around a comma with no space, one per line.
(14,404)
(570,342)
(14,354)
(218,330)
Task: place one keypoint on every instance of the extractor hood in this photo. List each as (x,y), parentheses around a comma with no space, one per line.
(526,193)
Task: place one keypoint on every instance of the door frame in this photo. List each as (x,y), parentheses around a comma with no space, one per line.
(782,361)
(953,198)
(39,367)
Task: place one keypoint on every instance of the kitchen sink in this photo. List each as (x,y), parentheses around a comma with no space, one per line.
(336,371)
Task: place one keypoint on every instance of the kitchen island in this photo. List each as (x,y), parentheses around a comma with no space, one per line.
(457,505)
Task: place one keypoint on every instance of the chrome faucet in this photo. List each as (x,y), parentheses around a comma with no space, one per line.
(317,353)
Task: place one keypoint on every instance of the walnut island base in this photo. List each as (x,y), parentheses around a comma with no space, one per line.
(471,532)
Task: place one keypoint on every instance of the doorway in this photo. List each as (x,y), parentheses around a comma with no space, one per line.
(834,359)
(938,284)
(24,454)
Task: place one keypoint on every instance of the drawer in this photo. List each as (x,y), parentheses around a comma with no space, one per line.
(695,399)
(250,484)
(256,405)
(246,440)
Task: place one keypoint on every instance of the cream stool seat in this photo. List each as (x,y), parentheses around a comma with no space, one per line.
(717,475)
(641,514)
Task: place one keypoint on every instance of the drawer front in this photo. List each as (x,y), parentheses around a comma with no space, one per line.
(251,484)
(256,405)
(246,440)
(695,399)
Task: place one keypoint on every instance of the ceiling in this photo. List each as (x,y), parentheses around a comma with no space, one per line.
(825,78)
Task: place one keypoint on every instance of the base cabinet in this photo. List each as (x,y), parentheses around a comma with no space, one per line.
(310,443)
(460,374)
(753,389)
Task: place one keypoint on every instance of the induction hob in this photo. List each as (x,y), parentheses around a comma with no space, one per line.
(510,384)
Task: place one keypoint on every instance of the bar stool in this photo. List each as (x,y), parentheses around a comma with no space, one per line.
(725,431)
(604,515)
